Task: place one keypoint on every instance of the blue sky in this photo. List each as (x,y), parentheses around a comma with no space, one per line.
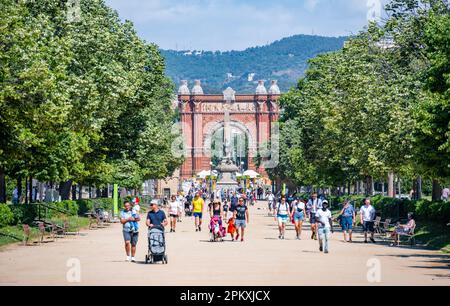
(239,24)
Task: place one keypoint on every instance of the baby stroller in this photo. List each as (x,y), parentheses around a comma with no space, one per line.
(216,229)
(156,246)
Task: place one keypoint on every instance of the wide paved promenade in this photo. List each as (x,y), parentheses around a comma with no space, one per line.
(261,260)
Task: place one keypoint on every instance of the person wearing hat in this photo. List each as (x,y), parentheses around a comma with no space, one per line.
(324,224)
(156,217)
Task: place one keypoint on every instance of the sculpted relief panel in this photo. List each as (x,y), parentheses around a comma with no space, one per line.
(222,107)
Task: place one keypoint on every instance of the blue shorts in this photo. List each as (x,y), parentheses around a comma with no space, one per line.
(282,218)
(200,215)
(240,223)
(299,216)
(347,223)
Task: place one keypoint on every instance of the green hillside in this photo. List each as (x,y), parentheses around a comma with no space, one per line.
(284,60)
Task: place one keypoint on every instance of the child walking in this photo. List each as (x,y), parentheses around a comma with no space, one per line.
(231,228)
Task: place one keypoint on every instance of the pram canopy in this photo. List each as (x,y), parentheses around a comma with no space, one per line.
(156,241)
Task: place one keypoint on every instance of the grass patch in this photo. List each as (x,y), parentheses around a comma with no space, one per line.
(75,222)
(14,234)
(433,235)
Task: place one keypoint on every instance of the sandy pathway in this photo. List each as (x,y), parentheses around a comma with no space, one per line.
(193,260)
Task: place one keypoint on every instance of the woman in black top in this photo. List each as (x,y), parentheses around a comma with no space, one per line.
(217,211)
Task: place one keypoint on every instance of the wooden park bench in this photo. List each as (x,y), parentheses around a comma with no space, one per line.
(385,227)
(376,225)
(410,237)
(43,226)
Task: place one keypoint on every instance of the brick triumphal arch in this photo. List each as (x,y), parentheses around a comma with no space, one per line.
(202,115)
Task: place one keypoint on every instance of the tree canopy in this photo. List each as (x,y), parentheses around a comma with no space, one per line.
(84,99)
(378,105)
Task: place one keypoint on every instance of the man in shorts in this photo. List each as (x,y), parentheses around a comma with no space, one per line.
(270,202)
(241,218)
(198,206)
(130,236)
(313,205)
(367,215)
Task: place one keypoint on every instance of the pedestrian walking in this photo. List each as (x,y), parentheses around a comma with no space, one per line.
(198,204)
(298,214)
(313,205)
(367,217)
(282,214)
(325,226)
(130,236)
(174,212)
(347,220)
(241,217)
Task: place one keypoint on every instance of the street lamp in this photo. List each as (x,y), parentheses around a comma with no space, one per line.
(210,178)
(242,173)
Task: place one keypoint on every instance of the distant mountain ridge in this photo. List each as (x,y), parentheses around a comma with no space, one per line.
(284,60)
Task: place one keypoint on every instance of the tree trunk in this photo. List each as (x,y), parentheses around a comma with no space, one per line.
(30,189)
(399,187)
(391,190)
(19,190)
(437,191)
(64,189)
(98,192)
(368,186)
(74,192)
(41,192)
(80,192)
(105,192)
(383,192)
(26,190)
(2,186)
(419,188)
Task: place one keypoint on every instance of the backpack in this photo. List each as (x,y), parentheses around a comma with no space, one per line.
(279,205)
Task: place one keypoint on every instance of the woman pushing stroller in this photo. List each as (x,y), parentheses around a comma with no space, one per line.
(216,227)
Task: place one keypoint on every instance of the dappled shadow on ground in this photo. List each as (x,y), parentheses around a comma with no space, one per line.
(439,262)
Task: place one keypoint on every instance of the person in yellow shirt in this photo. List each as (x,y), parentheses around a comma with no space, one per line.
(198,205)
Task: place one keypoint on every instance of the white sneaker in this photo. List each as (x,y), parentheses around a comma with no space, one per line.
(133,259)
(128,258)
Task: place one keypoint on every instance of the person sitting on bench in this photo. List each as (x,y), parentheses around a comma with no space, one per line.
(404,230)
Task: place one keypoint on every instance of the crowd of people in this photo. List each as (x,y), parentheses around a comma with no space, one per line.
(229,209)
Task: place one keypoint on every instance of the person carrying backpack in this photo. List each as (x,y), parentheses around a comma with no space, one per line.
(282,216)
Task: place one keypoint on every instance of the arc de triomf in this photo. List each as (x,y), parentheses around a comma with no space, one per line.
(203,114)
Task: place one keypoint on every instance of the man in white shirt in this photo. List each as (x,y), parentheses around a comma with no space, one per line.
(324,223)
(367,216)
(181,200)
(271,201)
(313,205)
